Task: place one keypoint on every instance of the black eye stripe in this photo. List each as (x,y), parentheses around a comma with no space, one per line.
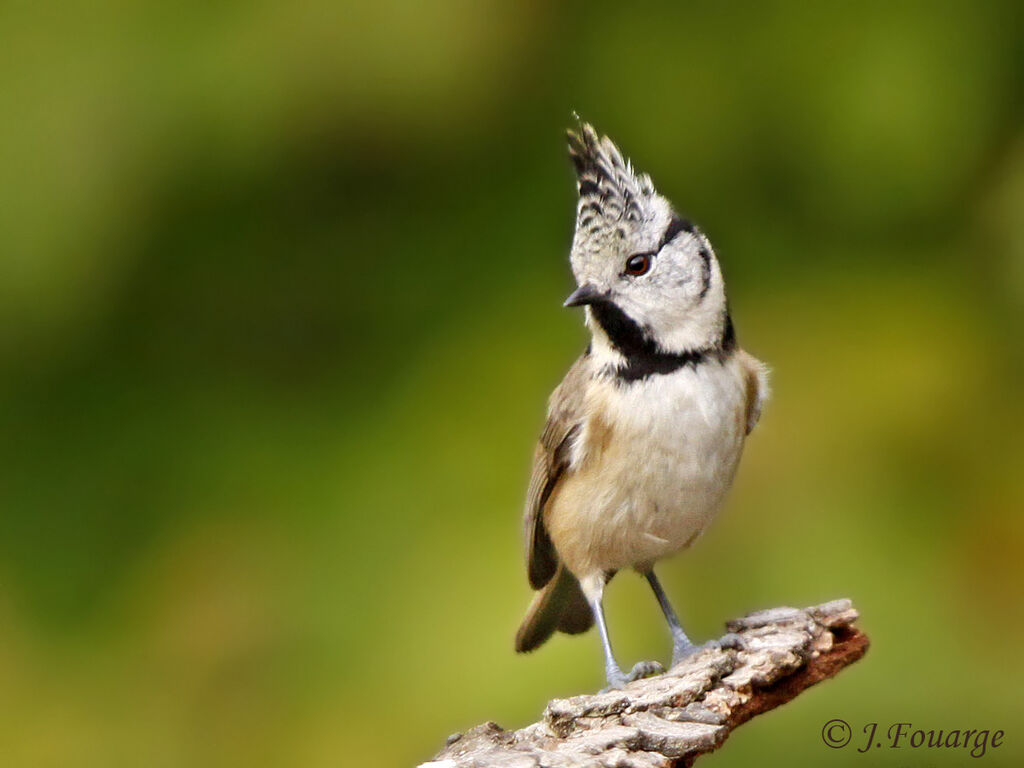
(675,226)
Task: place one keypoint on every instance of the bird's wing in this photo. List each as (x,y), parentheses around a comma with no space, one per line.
(756,374)
(550,461)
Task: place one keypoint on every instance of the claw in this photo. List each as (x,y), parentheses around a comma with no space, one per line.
(645,669)
(729,640)
(617,680)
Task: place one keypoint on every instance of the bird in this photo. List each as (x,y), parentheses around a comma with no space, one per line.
(644,434)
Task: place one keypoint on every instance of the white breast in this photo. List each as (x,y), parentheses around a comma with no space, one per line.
(654,465)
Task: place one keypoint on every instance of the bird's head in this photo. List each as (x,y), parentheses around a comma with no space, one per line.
(645,274)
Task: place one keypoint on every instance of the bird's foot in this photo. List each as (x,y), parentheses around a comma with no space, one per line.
(728,641)
(617,679)
(645,669)
(682,651)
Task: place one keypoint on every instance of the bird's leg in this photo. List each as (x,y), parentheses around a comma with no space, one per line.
(681,645)
(611,667)
(594,591)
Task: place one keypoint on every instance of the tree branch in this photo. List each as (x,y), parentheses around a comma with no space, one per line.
(671,719)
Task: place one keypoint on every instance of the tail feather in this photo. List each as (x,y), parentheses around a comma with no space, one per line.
(561,606)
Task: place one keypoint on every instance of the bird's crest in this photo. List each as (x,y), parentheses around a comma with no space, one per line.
(611,194)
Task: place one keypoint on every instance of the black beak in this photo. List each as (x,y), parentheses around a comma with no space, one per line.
(585,294)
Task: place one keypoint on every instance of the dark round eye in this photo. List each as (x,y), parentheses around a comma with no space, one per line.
(639,264)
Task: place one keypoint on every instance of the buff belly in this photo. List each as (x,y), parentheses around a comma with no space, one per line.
(650,469)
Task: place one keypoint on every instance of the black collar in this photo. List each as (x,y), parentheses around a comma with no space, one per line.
(642,355)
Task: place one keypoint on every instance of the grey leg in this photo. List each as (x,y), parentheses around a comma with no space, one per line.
(593,588)
(681,645)
(611,668)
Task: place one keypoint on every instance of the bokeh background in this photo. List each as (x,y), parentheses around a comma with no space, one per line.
(280,294)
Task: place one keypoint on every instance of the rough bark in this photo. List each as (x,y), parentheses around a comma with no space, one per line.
(768,658)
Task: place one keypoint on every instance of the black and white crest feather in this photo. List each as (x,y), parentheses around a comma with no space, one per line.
(610,192)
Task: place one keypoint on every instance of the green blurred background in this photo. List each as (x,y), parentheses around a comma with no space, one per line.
(280,294)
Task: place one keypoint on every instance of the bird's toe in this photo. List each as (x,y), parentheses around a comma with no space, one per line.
(645,669)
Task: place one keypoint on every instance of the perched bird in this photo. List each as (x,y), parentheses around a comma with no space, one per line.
(644,434)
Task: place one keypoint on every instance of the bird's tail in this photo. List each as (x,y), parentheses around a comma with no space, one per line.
(561,606)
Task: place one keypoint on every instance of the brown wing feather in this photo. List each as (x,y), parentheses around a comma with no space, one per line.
(549,463)
(756,375)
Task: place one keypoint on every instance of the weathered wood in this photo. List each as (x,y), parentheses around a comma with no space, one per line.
(768,658)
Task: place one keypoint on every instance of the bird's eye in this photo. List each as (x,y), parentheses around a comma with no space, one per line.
(639,264)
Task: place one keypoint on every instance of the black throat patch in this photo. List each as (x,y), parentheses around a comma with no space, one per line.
(643,357)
